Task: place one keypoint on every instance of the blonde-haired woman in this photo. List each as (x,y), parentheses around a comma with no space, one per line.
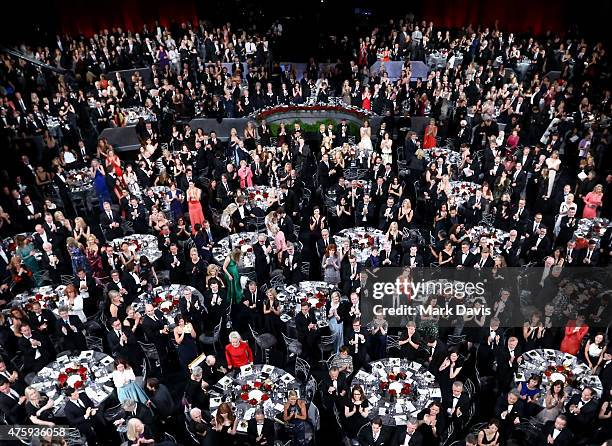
(405,214)
(39,411)
(81,231)
(237,352)
(295,415)
(592,201)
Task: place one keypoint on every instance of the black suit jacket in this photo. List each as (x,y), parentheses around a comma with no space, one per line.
(587,414)
(302,322)
(417,438)
(267,433)
(366,437)
(330,398)
(502,406)
(564,438)
(76,415)
(30,362)
(13,411)
(105,221)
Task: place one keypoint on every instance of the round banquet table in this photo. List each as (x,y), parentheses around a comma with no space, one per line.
(47,296)
(362,240)
(397,389)
(79,180)
(590,228)
(450,156)
(98,386)
(245,241)
(166,298)
(263,386)
(141,245)
(555,365)
(261,196)
(291,297)
(487,234)
(462,191)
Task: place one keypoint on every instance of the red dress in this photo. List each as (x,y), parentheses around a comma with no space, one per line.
(195,213)
(365,104)
(429,141)
(238,356)
(572,340)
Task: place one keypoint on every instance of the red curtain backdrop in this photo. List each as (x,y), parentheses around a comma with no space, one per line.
(89,18)
(511,15)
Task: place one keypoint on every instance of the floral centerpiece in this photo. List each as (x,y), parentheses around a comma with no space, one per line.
(166,302)
(559,373)
(395,385)
(74,376)
(256,393)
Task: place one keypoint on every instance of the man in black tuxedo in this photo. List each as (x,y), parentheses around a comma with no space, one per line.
(323,172)
(518,181)
(508,359)
(464,258)
(511,250)
(289,202)
(263,259)
(307,331)
(135,409)
(123,344)
(100,117)
(509,409)
(42,322)
(260,171)
(410,436)
(211,372)
(110,222)
(156,330)
(567,227)
(556,433)
(4,262)
(175,264)
(285,224)
(81,413)
(412,258)
(350,275)
(191,308)
(365,212)
(334,388)
(291,264)
(12,405)
(590,255)
(137,215)
(538,246)
(323,243)
(36,352)
(205,240)
(457,404)
(260,430)
(387,214)
(388,256)
(31,213)
(342,133)
(605,372)
(9,373)
(436,352)
(374,434)
(484,261)
(581,411)
(256,298)
(166,238)
(124,284)
(475,207)
(520,216)
(358,342)
(69,330)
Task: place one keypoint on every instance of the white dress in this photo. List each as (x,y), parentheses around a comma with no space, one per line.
(553,166)
(76,309)
(366,141)
(387,153)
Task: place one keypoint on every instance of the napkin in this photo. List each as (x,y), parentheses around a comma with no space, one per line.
(287,378)
(394,362)
(400,420)
(242,426)
(382,411)
(86,354)
(399,408)
(107,360)
(373,400)
(279,407)
(267,369)
(215,402)
(436,393)
(246,370)
(285,317)
(224,382)
(249,414)
(409,407)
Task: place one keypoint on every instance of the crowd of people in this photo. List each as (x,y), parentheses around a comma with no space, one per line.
(533,146)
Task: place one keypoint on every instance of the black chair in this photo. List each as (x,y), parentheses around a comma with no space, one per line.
(214,339)
(265,342)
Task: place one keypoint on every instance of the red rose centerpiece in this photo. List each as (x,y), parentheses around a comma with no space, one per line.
(74,377)
(256,392)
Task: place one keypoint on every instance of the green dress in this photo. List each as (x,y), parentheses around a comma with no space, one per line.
(234,291)
(25,252)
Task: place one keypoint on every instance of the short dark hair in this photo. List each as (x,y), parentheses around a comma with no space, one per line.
(378,421)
